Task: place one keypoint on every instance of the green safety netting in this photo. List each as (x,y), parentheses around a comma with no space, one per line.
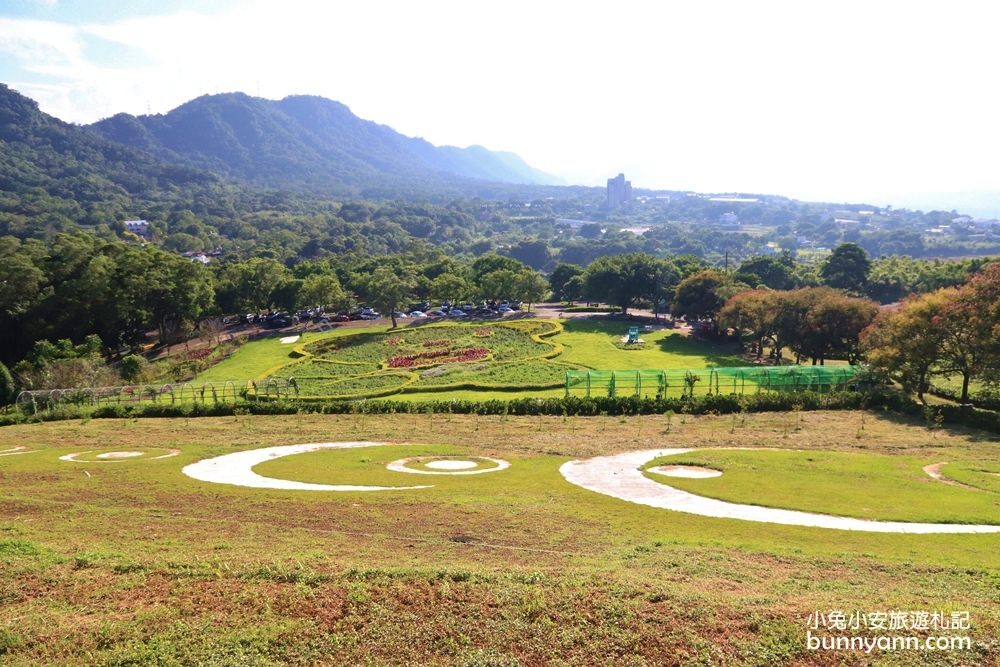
(703,381)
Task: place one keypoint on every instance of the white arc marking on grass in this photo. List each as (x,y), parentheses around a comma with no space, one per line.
(236,469)
(619,476)
(13,451)
(448,467)
(115,457)
(690,472)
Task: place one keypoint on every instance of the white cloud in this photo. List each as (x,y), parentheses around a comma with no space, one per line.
(837,100)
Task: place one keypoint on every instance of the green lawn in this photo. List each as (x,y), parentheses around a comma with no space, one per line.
(133,563)
(352,362)
(591,343)
(863,486)
(256,358)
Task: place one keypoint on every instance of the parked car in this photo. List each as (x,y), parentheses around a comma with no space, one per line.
(504,309)
(277,320)
(437,313)
(515,305)
(418,314)
(484,312)
(457,312)
(398,314)
(341,317)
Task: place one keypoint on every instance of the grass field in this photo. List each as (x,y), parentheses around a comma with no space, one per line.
(351,361)
(133,563)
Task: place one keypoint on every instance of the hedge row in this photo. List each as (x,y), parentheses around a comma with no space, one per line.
(573,406)
(988,399)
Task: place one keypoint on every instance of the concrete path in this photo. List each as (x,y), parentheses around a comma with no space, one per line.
(236,469)
(619,476)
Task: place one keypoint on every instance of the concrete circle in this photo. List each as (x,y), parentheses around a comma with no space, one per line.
(621,476)
(690,472)
(116,457)
(448,464)
(236,469)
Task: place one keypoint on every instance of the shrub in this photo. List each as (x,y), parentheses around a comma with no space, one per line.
(132,368)
(7,389)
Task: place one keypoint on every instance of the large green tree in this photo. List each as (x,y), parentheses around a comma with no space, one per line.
(560,277)
(623,280)
(387,290)
(702,295)
(847,268)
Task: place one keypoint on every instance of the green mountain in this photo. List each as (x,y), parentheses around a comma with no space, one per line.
(52,168)
(306,142)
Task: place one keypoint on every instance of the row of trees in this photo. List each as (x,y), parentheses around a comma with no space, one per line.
(949,332)
(814,323)
(79,284)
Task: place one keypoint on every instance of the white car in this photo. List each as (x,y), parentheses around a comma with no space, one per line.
(417,313)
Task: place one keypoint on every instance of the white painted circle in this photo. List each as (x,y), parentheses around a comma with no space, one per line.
(690,472)
(449,464)
(116,457)
(236,469)
(621,476)
(446,466)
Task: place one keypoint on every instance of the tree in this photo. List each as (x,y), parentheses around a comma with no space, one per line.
(574,288)
(7,388)
(534,253)
(251,285)
(979,300)
(847,268)
(451,287)
(967,345)
(492,262)
(322,289)
(833,324)
(622,280)
(752,312)
(499,284)
(180,291)
(531,287)
(132,367)
(387,290)
(702,295)
(560,277)
(905,343)
(773,272)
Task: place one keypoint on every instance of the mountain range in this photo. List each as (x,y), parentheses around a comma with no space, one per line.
(300,143)
(305,142)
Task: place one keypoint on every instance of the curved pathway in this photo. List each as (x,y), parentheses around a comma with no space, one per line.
(235,469)
(619,476)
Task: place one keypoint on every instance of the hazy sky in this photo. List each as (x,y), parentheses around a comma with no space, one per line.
(832,100)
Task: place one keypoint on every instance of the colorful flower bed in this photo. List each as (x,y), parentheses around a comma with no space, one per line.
(368,364)
(458,356)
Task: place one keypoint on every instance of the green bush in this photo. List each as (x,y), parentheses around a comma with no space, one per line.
(573,406)
(132,367)
(7,388)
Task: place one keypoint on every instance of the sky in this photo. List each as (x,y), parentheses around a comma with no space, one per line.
(878,101)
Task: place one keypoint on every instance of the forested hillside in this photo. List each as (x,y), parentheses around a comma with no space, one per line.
(307,143)
(56,173)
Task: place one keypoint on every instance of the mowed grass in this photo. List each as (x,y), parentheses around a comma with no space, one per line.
(983,475)
(134,563)
(264,356)
(591,343)
(864,486)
